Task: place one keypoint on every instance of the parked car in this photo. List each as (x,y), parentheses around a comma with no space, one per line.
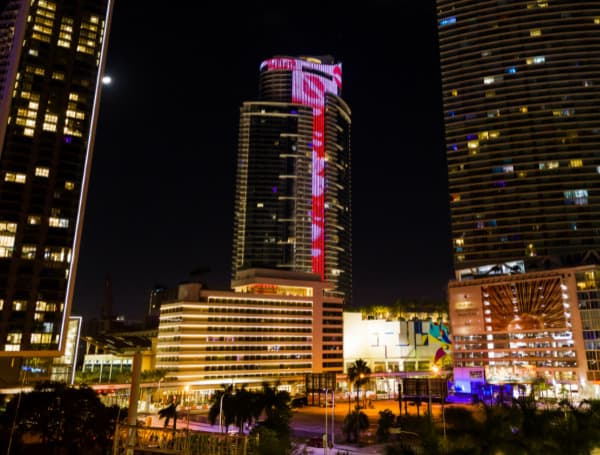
(299,402)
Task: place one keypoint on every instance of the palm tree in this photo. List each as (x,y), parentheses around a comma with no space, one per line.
(386,421)
(358,374)
(169,412)
(223,407)
(354,423)
(245,407)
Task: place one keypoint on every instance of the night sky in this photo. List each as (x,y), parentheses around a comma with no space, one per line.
(161,194)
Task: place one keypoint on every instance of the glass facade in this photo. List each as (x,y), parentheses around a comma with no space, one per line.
(293,207)
(521,92)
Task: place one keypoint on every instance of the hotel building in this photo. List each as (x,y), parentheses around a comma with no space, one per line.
(292,203)
(524,328)
(275,326)
(521,95)
(52,56)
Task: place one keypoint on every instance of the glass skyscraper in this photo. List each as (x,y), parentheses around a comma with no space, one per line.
(52,57)
(521,92)
(292,204)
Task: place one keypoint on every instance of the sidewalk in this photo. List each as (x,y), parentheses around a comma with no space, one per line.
(340,449)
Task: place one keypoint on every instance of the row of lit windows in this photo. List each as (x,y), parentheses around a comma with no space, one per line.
(88,36)
(233,367)
(260,302)
(256,329)
(54,254)
(15,338)
(236,358)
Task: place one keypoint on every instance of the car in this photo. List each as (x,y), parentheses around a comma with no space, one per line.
(299,402)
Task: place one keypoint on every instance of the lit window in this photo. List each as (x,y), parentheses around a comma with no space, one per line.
(535,60)
(34,219)
(260,205)
(454,92)
(576,197)
(69,185)
(549,165)
(57,254)
(57,75)
(15,177)
(41,338)
(523,109)
(19,305)
(597,20)
(28,251)
(42,171)
(535,32)
(50,121)
(14,337)
(7,226)
(58,222)
(448,21)
(473,147)
(575,163)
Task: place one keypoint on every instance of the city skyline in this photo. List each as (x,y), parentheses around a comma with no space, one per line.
(162,187)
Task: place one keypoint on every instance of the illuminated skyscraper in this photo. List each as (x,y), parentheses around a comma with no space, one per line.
(292,206)
(521,91)
(52,57)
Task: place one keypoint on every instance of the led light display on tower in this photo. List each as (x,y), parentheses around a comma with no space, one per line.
(310,83)
(293,185)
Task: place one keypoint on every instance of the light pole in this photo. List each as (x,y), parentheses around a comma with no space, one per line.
(325,444)
(221,413)
(158,391)
(332,416)
(186,401)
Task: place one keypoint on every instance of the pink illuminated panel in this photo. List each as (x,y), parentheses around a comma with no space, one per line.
(310,82)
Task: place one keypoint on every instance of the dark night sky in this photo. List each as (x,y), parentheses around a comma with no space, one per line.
(160,200)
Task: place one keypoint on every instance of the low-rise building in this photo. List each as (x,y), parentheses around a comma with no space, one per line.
(274,326)
(536,329)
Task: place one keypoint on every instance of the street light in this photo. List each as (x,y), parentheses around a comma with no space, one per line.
(332,416)
(186,401)
(325,443)
(221,413)
(325,436)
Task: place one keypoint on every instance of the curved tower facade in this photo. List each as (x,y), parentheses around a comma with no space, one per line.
(521,91)
(292,207)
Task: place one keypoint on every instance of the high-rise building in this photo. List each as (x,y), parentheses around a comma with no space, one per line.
(292,204)
(52,55)
(521,93)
